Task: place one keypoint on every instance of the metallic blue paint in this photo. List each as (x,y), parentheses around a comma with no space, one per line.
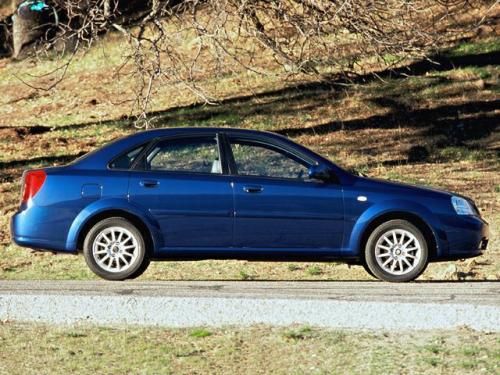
(288,213)
(193,216)
(191,210)
(112,206)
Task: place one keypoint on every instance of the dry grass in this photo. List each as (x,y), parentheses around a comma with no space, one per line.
(36,349)
(438,128)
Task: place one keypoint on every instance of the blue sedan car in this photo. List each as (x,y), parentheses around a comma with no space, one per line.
(198,193)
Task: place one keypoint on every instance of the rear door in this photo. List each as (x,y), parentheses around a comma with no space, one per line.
(277,205)
(183,185)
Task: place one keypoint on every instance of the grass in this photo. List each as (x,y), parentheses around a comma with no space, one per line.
(314,270)
(39,349)
(200,333)
(433,361)
(244,275)
(301,333)
(470,351)
(456,154)
(474,48)
(293,267)
(434,348)
(434,128)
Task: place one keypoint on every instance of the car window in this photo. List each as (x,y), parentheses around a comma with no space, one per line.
(254,159)
(197,155)
(125,161)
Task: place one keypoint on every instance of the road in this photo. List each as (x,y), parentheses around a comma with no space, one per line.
(357,305)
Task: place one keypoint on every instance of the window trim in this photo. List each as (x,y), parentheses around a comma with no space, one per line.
(144,145)
(277,146)
(223,139)
(140,162)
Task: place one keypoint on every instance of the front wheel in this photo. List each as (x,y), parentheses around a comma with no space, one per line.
(114,249)
(396,251)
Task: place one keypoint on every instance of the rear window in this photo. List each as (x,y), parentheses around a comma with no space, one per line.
(192,154)
(125,161)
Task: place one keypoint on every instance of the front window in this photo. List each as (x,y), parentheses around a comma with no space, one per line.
(196,155)
(256,159)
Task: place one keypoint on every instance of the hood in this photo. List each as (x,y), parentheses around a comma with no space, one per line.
(385,185)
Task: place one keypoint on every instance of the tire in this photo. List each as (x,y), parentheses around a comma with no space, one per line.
(144,266)
(368,271)
(396,251)
(114,249)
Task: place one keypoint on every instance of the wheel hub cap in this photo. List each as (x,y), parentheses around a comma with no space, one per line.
(398,251)
(115,249)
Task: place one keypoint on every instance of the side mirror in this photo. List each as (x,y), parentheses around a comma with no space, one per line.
(321,172)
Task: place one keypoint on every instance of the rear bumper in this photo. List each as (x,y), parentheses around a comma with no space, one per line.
(38,244)
(26,232)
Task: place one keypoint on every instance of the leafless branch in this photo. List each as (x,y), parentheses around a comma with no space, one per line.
(181,43)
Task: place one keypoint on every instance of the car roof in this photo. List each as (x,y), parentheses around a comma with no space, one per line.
(99,158)
(161,132)
(192,130)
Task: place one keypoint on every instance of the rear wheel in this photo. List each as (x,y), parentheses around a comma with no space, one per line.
(396,251)
(114,249)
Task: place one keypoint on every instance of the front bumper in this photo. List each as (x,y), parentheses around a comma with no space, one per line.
(467,236)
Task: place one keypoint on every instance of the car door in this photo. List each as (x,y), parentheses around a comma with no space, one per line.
(181,183)
(276,204)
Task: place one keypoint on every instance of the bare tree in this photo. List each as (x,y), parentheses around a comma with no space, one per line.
(180,42)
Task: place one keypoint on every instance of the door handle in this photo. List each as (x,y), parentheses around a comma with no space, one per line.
(149,183)
(253,189)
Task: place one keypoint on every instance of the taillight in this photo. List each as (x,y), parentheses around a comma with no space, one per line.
(33,181)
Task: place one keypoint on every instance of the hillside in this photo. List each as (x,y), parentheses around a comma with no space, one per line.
(432,123)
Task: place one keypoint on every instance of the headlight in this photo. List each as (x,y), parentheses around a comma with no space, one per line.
(462,206)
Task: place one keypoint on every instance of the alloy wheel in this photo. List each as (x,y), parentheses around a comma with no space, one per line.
(398,252)
(115,249)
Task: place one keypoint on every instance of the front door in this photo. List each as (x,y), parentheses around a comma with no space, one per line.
(183,187)
(277,205)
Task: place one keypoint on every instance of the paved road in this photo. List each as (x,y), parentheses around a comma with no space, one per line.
(477,293)
(372,305)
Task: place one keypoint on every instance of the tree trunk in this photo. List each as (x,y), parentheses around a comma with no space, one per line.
(6,37)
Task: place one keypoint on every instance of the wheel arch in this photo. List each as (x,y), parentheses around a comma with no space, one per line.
(413,218)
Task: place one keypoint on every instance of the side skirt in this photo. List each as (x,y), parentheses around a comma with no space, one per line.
(278,255)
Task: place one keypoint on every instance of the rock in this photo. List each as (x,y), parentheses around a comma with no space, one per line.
(30,22)
(449,273)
